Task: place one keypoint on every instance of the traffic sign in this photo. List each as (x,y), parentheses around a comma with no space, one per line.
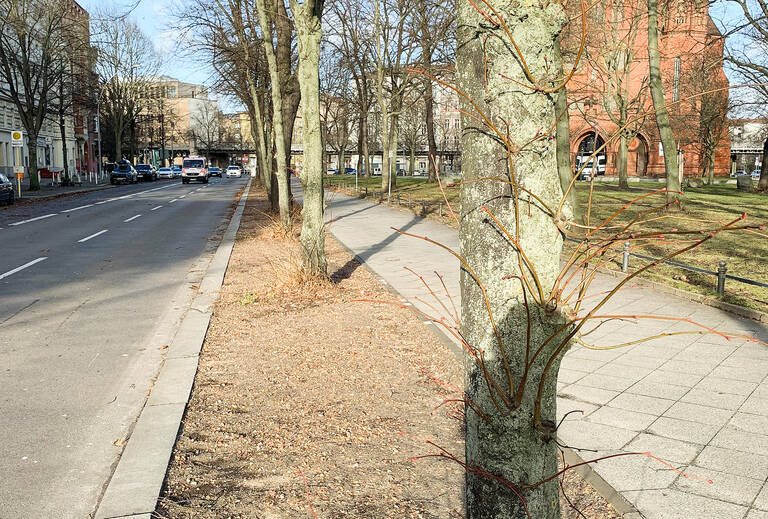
(18,171)
(17,139)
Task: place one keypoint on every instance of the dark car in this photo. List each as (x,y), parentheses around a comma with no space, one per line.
(6,190)
(214,172)
(350,171)
(124,172)
(146,172)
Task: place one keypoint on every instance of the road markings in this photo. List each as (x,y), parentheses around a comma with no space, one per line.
(92,236)
(156,208)
(132,218)
(174,200)
(182,196)
(19,269)
(77,208)
(32,219)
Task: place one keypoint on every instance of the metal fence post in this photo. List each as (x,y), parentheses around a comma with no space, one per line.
(625,261)
(398,199)
(409,202)
(423,209)
(440,210)
(722,269)
(366,192)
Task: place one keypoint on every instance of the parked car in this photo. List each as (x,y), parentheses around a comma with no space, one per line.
(740,172)
(146,172)
(332,172)
(213,171)
(194,168)
(350,171)
(6,190)
(756,174)
(124,172)
(234,171)
(176,168)
(165,173)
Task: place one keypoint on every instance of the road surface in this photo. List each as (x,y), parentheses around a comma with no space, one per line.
(91,288)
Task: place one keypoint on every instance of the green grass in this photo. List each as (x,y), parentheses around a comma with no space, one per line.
(703,208)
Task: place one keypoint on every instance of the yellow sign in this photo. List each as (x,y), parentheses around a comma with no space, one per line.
(18,171)
(17,139)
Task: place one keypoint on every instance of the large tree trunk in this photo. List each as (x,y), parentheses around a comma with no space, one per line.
(64,151)
(429,106)
(564,166)
(660,105)
(762,184)
(284,200)
(366,152)
(517,442)
(310,32)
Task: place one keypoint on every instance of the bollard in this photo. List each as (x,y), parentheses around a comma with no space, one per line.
(409,203)
(398,199)
(625,261)
(440,210)
(366,192)
(722,269)
(423,209)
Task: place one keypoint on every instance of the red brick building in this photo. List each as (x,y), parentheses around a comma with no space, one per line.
(610,88)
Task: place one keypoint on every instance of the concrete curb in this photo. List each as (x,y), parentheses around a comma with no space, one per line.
(602,487)
(135,486)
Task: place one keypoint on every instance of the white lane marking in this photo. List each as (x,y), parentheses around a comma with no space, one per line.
(132,218)
(102,202)
(182,196)
(156,208)
(77,208)
(32,219)
(155,189)
(174,200)
(26,265)
(92,236)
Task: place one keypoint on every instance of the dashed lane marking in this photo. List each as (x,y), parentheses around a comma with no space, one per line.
(156,208)
(33,219)
(77,208)
(132,218)
(92,236)
(26,265)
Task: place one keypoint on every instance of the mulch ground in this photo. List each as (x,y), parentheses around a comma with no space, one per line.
(308,403)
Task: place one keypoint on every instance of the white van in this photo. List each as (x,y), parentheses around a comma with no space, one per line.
(194,168)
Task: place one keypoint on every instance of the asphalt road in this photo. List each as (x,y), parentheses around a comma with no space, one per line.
(91,289)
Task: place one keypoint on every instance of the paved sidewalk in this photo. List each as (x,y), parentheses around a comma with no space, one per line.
(698,402)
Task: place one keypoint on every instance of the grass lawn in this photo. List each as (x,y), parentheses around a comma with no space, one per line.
(703,208)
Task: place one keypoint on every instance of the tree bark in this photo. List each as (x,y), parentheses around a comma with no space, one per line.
(34,176)
(660,104)
(309,31)
(621,163)
(564,166)
(64,151)
(275,73)
(515,440)
(429,106)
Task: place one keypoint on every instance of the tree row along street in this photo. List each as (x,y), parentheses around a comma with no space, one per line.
(88,286)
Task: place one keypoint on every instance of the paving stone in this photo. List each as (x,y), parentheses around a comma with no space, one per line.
(658,390)
(699,413)
(645,361)
(757,514)
(669,449)
(634,472)
(755,404)
(749,372)
(622,418)
(683,430)
(727,487)
(569,376)
(619,369)
(588,394)
(712,399)
(732,438)
(585,365)
(761,502)
(663,375)
(750,422)
(641,403)
(566,405)
(725,385)
(749,465)
(676,504)
(585,435)
(606,382)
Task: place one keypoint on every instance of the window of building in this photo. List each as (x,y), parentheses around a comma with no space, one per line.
(456,124)
(171,91)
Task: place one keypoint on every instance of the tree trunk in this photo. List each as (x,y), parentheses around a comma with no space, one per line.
(762,184)
(366,152)
(64,152)
(360,156)
(309,31)
(429,106)
(34,176)
(660,104)
(564,166)
(621,163)
(517,442)
(412,161)
(284,200)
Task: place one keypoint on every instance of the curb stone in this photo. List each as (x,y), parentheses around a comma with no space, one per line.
(137,480)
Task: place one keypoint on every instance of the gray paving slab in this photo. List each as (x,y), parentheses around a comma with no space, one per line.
(698,401)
